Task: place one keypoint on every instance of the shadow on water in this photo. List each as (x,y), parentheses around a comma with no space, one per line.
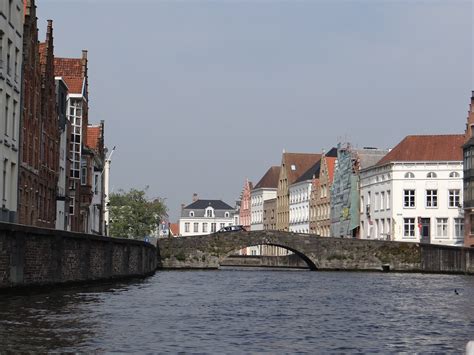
(49,319)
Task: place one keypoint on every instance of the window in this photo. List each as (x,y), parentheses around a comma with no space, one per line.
(409,175)
(186,227)
(191,214)
(209,213)
(213,227)
(10,6)
(227,215)
(377,201)
(459,228)
(196,227)
(362,206)
(222,225)
(4,182)
(431,198)
(204,227)
(382,200)
(409,199)
(388,199)
(409,227)
(454,174)
(7,116)
(454,198)
(431,175)
(15,104)
(9,64)
(441,227)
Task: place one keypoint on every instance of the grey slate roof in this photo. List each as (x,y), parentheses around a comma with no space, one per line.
(203,204)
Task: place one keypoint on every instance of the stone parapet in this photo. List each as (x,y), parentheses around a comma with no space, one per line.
(31,256)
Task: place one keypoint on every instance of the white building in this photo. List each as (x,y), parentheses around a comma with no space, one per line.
(265,190)
(415,192)
(205,217)
(300,194)
(11,53)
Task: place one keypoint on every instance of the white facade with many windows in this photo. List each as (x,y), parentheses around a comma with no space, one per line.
(300,194)
(257,198)
(413,201)
(11,54)
(204,217)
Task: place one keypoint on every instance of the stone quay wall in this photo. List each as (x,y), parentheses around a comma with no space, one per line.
(31,256)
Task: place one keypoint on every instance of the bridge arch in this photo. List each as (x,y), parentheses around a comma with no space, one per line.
(311,264)
(209,251)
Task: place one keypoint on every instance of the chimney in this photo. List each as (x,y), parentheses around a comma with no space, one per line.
(195,197)
(182,206)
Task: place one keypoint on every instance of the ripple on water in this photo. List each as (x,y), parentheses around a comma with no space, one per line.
(246,311)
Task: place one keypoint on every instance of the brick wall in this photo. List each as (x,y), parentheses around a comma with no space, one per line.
(34,256)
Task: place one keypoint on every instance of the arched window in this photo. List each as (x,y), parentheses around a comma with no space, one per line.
(409,175)
(454,174)
(227,215)
(191,214)
(431,175)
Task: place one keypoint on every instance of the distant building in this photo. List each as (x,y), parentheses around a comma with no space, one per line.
(269,214)
(320,199)
(94,177)
(293,165)
(468,155)
(300,192)
(245,207)
(266,189)
(62,196)
(205,217)
(345,215)
(74,72)
(11,52)
(414,194)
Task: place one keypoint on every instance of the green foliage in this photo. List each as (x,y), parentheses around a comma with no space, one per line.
(132,215)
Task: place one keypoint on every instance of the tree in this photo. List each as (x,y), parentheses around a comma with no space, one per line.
(132,215)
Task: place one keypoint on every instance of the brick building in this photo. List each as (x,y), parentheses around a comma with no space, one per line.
(39,152)
(74,72)
(468,177)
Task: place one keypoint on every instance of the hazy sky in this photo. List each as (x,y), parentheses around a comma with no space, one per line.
(199,95)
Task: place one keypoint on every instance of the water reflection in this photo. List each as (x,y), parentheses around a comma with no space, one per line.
(44,320)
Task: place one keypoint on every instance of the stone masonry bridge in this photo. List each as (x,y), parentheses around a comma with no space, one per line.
(207,252)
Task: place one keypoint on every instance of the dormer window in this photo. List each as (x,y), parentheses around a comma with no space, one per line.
(293,167)
(227,215)
(209,213)
(191,214)
(409,175)
(431,175)
(454,174)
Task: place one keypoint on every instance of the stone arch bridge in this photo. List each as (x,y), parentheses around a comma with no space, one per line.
(207,252)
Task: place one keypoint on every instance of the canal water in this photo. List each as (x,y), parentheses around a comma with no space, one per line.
(243,311)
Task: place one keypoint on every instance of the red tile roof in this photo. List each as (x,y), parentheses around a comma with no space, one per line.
(71,71)
(270,179)
(93,137)
(174,229)
(301,162)
(426,148)
(331,163)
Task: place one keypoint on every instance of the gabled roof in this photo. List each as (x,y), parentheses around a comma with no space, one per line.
(270,179)
(311,173)
(71,71)
(426,148)
(296,164)
(93,137)
(203,204)
(331,164)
